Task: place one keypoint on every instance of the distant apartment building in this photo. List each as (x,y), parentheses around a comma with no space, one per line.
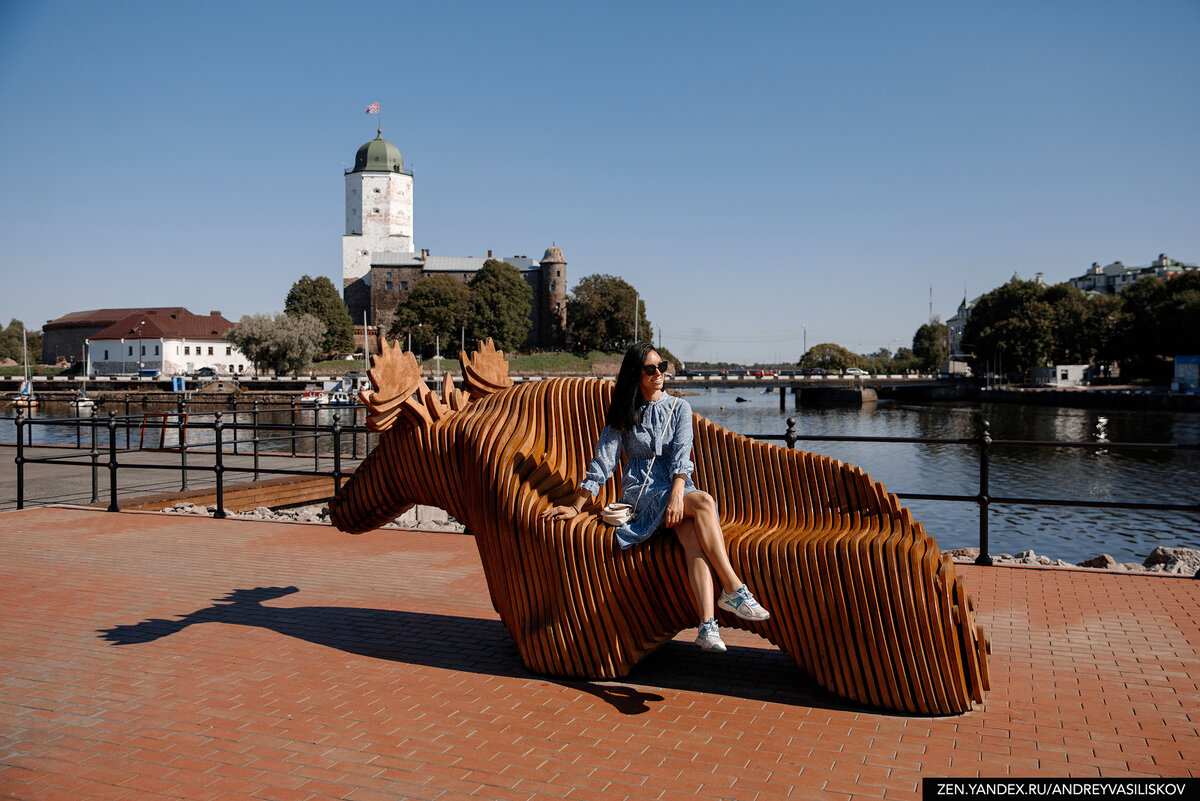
(1112,279)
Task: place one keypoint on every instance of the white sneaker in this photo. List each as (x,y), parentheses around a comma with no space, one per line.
(710,638)
(742,604)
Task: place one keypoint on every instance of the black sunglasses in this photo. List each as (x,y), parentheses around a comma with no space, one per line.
(651,369)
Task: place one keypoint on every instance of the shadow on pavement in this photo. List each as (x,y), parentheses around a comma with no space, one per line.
(483,646)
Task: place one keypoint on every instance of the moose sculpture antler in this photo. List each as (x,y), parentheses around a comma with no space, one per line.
(860,596)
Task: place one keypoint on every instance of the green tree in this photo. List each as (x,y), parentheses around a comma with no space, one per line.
(318,297)
(1157,320)
(600,314)
(830,357)
(438,306)
(904,361)
(10,343)
(501,305)
(929,346)
(1012,327)
(284,343)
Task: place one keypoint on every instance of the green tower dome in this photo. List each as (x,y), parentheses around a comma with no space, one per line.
(378,155)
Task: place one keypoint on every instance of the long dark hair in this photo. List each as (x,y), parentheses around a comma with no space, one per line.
(625,411)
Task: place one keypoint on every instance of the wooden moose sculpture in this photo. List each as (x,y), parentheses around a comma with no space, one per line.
(860,596)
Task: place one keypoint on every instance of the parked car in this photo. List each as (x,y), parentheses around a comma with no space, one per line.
(764,373)
(855,371)
(814,371)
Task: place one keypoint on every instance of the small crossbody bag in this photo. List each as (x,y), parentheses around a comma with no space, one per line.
(618,514)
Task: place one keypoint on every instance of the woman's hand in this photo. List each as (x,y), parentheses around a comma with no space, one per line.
(559,513)
(674,508)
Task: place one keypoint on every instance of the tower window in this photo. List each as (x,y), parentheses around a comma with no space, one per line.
(388,286)
(377,190)
(404,286)
(376,211)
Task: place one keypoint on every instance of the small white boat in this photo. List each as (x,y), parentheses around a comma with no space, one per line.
(81,403)
(314,397)
(25,398)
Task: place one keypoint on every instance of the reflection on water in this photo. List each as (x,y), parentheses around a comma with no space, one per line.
(1065,473)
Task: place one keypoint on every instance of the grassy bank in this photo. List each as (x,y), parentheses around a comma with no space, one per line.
(525,364)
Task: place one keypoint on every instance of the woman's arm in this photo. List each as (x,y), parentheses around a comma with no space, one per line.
(600,468)
(675,504)
(567,510)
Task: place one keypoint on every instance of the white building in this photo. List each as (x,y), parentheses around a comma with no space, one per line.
(166,341)
(1061,375)
(1112,279)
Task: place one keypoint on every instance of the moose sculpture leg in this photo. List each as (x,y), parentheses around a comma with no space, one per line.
(860,596)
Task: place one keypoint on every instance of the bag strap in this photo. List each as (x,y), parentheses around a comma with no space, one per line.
(651,467)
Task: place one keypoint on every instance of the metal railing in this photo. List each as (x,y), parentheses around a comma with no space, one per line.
(233,433)
(291,433)
(984,443)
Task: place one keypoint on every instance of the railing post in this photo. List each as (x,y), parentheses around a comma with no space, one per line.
(219,467)
(181,410)
(783,398)
(789,436)
(293,437)
(316,440)
(127,421)
(254,424)
(233,402)
(985,442)
(95,454)
(354,429)
(20,460)
(337,453)
(112,457)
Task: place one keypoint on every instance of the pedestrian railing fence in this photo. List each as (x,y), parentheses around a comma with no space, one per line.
(245,431)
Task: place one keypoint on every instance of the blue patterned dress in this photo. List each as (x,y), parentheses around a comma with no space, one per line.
(665,433)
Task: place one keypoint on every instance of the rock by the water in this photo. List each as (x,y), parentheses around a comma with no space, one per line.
(1174,560)
(1103,561)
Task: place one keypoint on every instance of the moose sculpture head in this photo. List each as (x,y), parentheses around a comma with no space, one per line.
(861,597)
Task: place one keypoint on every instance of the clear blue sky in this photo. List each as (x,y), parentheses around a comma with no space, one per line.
(755,170)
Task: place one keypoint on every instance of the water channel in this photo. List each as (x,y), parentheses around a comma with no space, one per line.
(1064,473)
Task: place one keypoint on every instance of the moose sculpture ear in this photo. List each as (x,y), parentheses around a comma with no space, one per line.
(396,376)
(486,371)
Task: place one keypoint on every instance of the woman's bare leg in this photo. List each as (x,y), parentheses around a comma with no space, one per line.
(701,510)
(699,573)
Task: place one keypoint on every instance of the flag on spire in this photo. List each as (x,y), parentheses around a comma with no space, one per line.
(373,108)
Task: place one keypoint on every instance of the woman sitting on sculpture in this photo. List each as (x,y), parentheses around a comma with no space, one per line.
(655,432)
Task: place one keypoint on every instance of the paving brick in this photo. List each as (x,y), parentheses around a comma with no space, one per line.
(148,656)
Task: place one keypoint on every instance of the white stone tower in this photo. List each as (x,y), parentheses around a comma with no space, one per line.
(379,216)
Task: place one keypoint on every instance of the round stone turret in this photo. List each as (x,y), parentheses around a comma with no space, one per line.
(378,155)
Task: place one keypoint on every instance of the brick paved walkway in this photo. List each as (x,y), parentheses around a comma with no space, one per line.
(145,656)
